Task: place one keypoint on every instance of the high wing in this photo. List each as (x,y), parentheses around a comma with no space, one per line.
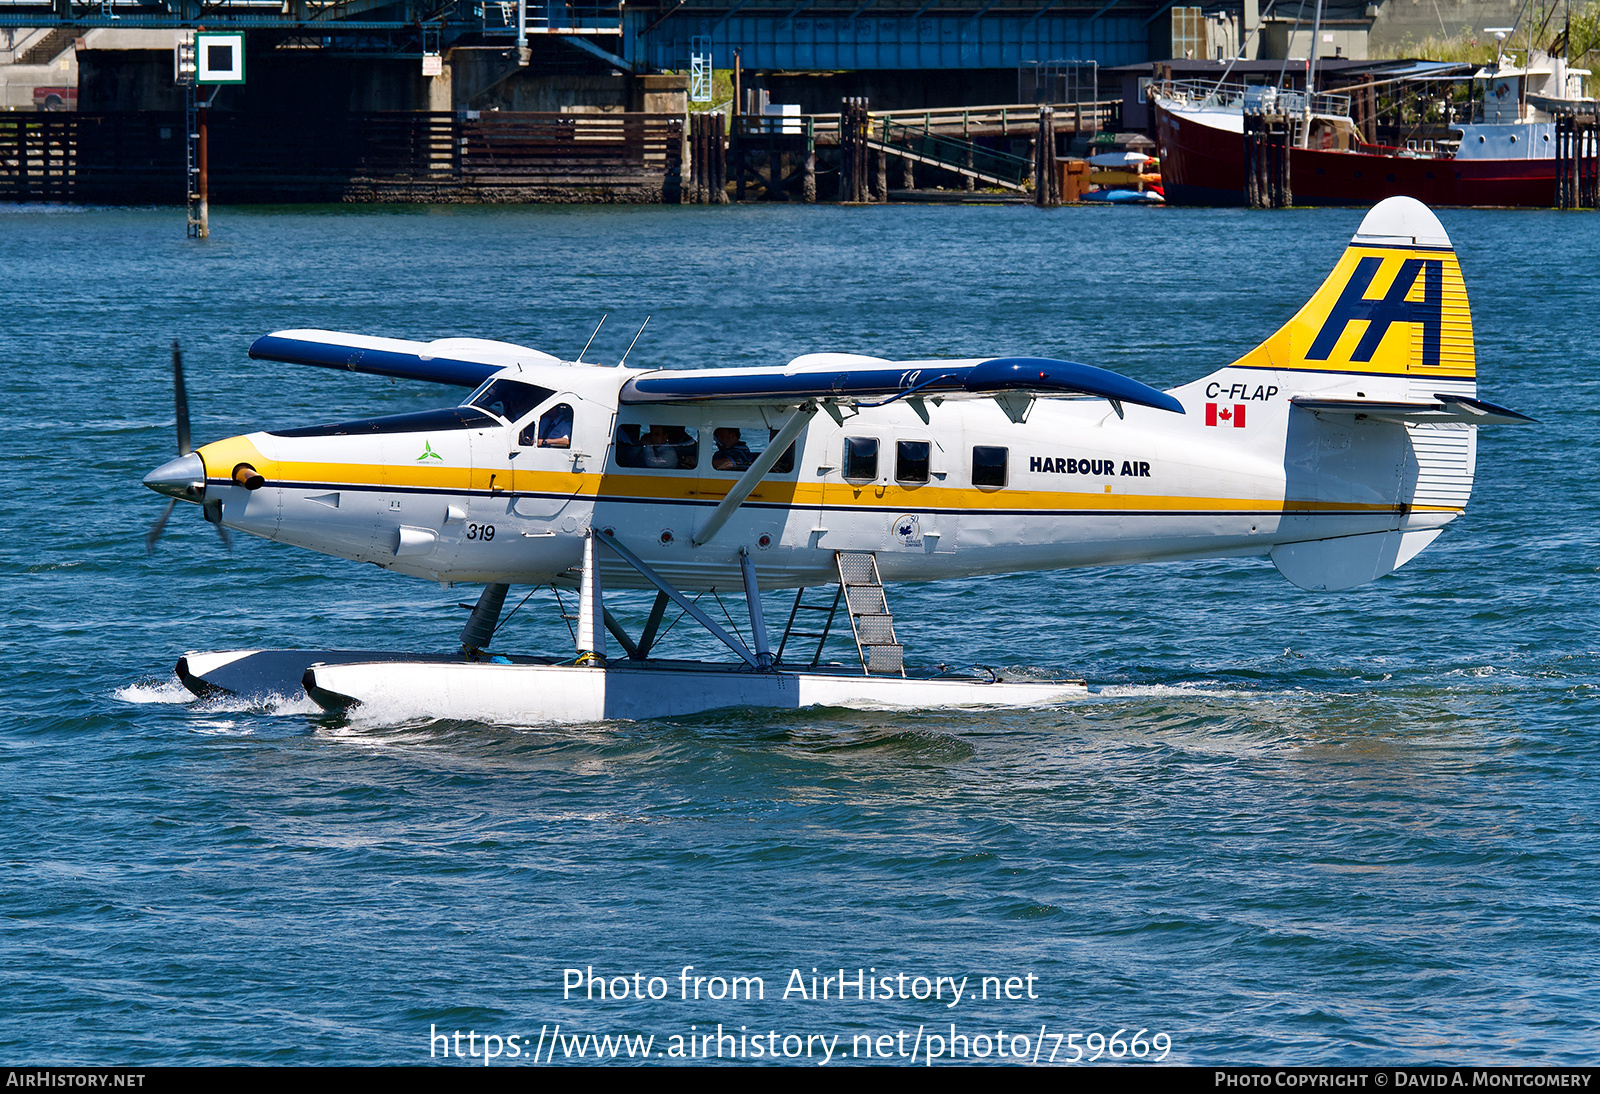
(463,362)
(842,375)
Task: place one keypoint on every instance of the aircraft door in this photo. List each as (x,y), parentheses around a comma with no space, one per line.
(916,473)
(549,451)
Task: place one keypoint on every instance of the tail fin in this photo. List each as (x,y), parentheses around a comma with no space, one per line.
(1395,305)
(1368,396)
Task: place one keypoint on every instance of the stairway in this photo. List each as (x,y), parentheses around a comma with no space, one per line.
(869,613)
(50,46)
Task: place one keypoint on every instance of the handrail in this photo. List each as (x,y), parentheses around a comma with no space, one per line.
(1252,98)
(988,161)
(962,117)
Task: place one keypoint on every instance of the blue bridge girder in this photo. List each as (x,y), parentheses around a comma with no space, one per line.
(798,36)
(781,35)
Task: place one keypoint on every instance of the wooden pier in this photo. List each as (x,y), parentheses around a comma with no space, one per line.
(495,157)
(412,156)
(782,157)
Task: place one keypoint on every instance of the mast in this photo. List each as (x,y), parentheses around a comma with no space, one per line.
(1311,75)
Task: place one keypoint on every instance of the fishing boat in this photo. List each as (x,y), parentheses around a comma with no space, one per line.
(1502,152)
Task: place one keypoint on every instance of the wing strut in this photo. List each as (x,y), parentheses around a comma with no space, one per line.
(757,471)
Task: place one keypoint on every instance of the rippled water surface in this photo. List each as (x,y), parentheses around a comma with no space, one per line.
(1286,827)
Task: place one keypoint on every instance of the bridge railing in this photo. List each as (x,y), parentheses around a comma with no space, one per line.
(553,17)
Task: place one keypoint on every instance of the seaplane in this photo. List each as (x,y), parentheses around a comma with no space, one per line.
(1338,448)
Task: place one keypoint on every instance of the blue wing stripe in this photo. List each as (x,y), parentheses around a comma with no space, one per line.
(1039,375)
(377,362)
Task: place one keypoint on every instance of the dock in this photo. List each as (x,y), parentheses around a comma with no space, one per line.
(130,157)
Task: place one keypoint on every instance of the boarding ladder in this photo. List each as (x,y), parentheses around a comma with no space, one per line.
(832,610)
(870,620)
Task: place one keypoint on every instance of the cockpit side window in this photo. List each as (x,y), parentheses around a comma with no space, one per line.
(552,430)
(509,399)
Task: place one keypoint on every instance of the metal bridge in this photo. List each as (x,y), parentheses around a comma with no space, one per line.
(772,35)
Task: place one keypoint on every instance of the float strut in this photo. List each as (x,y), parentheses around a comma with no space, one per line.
(676,597)
(758,624)
(485,615)
(591,637)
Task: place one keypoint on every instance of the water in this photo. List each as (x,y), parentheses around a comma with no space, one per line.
(1287,827)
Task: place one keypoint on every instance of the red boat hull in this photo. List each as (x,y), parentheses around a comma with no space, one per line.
(1204,165)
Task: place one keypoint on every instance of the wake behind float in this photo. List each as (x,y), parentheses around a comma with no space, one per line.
(1339,448)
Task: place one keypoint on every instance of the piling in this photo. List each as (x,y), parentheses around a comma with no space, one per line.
(1267,140)
(1046,175)
(855,130)
(1577,161)
(719,160)
(203,190)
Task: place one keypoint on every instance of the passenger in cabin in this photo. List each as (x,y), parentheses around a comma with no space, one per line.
(665,447)
(688,447)
(555,427)
(732,454)
(629,452)
(662,446)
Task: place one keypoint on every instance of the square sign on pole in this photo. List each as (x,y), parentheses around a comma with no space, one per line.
(219,58)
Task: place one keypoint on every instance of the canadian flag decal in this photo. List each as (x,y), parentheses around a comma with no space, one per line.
(1223,415)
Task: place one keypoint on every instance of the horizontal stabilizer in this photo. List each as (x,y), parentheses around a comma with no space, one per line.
(850,378)
(463,362)
(1441,408)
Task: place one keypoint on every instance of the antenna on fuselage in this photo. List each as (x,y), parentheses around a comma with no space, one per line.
(635,341)
(590,342)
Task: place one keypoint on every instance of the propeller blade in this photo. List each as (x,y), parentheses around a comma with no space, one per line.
(158,527)
(180,399)
(212,510)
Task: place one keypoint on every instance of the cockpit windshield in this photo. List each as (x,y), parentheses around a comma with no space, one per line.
(509,399)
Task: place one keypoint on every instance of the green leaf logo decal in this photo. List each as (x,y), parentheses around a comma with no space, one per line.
(428,453)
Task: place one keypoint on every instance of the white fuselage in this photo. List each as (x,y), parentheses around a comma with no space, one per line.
(1076,485)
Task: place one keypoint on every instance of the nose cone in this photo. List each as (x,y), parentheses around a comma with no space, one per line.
(184,477)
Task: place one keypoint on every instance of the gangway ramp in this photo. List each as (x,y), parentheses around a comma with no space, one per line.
(965,158)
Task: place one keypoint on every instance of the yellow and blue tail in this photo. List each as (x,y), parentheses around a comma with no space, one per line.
(1395,305)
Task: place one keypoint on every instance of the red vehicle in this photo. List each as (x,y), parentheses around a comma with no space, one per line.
(55,98)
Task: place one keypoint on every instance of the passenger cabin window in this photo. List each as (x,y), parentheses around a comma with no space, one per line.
(552,430)
(911,460)
(860,459)
(737,448)
(988,466)
(509,399)
(662,447)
